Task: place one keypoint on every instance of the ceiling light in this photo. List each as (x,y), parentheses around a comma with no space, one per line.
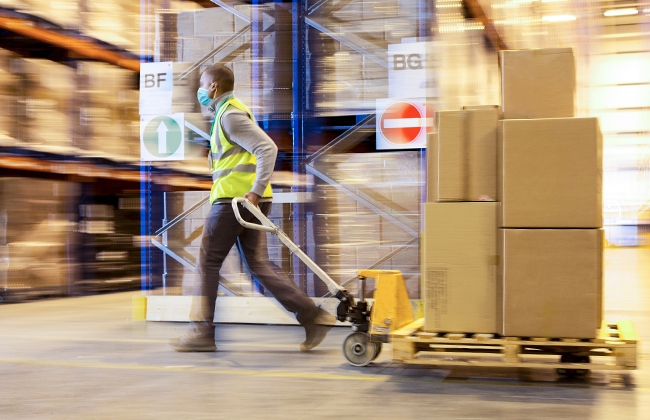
(621,12)
(558,18)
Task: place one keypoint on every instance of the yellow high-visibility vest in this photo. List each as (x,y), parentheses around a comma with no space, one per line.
(233,167)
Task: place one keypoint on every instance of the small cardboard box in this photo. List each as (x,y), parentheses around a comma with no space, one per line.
(462,156)
(459,264)
(550,282)
(446,157)
(481,138)
(550,173)
(538,83)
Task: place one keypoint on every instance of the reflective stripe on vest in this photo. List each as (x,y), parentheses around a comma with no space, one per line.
(233,168)
(229,152)
(244,167)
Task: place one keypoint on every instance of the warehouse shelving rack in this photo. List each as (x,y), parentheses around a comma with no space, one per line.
(309,18)
(34,37)
(299,124)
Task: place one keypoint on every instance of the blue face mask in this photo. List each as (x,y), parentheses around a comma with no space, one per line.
(203,96)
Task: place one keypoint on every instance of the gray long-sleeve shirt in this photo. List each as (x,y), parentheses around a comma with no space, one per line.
(241,130)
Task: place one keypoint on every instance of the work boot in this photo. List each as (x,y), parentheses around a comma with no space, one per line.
(317,329)
(199,338)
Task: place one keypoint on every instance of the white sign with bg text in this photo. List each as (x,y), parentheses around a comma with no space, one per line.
(407,70)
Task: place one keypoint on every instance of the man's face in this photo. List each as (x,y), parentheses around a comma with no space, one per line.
(206,82)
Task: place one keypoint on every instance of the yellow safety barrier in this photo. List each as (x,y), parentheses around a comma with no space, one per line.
(139,308)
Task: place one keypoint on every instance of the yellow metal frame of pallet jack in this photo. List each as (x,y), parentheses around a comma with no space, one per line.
(392,307)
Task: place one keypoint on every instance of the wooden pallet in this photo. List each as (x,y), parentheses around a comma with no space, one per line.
(613,349)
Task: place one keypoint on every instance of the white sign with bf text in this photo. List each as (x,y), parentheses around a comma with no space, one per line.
(156,87)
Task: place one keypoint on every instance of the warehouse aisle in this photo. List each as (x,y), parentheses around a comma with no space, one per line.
(84,358)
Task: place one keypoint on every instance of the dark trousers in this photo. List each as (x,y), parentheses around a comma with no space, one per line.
(220,232)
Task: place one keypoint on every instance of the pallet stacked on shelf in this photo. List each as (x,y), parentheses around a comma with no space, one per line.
(39,237)
(350,235)
(8,93)
(200,32)
(109,254)
(108,110)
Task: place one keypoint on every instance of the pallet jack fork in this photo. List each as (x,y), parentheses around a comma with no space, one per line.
(371,326)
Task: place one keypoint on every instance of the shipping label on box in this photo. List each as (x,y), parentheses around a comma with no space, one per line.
(550,282)
(459,263)
(550,173)
(538,83)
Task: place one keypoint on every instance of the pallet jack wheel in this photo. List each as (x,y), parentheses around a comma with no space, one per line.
(378,348)
(573,373)
(358,350)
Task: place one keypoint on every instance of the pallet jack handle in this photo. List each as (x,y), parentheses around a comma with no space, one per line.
(268,226)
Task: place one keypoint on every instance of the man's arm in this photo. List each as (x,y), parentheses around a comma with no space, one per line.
(241,130)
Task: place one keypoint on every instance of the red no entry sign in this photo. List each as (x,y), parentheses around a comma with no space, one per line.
(401,124)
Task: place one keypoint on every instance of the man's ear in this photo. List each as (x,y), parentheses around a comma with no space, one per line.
(214,86)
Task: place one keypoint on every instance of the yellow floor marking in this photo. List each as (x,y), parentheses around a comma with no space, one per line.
(308,375)
(153,340)
(185,369)
(299,375)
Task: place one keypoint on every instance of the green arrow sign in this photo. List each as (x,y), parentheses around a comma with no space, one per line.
(162,137)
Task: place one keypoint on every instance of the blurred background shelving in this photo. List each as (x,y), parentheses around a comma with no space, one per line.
(311,71)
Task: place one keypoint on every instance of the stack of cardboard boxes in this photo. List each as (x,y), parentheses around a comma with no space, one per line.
(45,99)
(37,232)
(528,264)
(459,247)
(263,79)
(346,81)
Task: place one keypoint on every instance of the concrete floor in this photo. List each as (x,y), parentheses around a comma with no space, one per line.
(83,358)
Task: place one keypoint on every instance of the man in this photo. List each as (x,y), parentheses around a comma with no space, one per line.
(241,158)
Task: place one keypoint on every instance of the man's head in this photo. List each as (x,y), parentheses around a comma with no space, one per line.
(217,80)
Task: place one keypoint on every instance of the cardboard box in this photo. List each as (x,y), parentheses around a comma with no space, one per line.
(246,10)
(538,83)
(379,9)
(550,282)
(550,173)
(481,137)
(185,24)
(462,157)
(191,50)
(184,90)
(446,158)
(213,21)
(459,264)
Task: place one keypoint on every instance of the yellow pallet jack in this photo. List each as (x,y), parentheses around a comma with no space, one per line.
(371,326)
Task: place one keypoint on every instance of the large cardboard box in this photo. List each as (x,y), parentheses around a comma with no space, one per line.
(462,156)
(550,282)
(459,264)
(538,83)
(550,173)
